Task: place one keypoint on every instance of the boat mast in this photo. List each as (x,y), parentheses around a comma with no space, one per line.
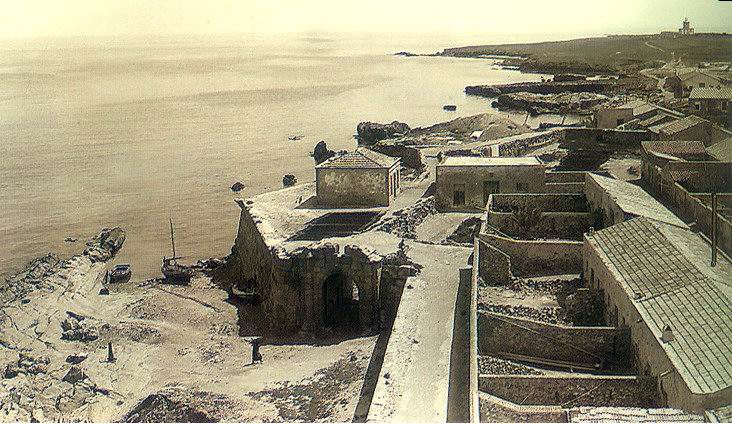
(172,239)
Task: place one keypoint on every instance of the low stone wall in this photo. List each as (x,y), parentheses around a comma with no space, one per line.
(565,187)
(494,266)
(565,176)
(520,145)
(625,137)
(531,257)
(572,391)
(595,347)
(546,202)
(548,225)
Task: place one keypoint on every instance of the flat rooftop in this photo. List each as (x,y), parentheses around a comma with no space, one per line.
(489,161)
(289,219)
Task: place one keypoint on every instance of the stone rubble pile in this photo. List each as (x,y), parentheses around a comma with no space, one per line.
(404,223)
(491,365)
(27,364)
(544,287)
(465,232)
(77,327)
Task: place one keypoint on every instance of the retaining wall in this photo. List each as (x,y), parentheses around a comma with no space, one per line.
(572,391)
(603,347)
(532,257)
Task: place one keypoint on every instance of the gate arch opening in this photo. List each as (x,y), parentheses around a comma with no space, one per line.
(340,302)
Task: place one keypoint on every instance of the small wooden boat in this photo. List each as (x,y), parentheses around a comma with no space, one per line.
(450,108)
(120,274)
(171,269)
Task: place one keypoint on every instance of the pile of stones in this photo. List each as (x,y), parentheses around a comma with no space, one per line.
(491,365)
(77,327)
(27,364)
(404,223)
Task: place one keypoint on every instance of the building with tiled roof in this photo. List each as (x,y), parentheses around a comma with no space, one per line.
(721,151)
(676,150)
(658,282)
(686,80)
(716,93)
(619,201)
(677,126)
(362,178)
(634,110)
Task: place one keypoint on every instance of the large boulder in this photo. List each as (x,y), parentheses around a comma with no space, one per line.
(371,132)
(321,152)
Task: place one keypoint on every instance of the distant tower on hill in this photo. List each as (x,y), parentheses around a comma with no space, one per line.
(686,28)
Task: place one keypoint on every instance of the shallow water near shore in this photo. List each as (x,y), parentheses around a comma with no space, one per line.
(109,132)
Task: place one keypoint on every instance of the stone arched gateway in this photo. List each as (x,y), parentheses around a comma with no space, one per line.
(340,300)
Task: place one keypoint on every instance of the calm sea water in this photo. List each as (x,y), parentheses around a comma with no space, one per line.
(107,132)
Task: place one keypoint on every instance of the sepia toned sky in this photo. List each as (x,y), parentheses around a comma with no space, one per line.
(29,18)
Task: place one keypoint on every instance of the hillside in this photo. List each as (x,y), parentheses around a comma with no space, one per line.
(606,54)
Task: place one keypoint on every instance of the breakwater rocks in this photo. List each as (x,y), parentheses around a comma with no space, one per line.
(371,132)
(549,87)
(536,104)
(105,245)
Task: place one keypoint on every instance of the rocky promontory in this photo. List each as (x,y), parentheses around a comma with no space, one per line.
(536,104)
(547,87)
(371,132)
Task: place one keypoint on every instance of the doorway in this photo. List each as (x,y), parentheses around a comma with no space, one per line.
(340,302)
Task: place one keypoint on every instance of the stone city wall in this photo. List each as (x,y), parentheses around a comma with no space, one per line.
(572,391)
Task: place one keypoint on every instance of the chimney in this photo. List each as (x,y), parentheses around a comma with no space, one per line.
(668,334)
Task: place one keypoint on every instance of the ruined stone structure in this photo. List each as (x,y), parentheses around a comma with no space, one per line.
(362,178)
(465,183)
(316,286)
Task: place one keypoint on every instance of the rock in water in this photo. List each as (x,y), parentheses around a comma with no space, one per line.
(321,152)
(289,180)
(371,132)
(105,245)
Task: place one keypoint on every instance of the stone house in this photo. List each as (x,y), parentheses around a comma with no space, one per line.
(690,128)
(713,103)
(362,178)
(465,183)
(683,82)
(612,117)
(657,282)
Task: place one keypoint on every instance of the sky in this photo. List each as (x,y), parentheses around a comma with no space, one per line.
(35,18)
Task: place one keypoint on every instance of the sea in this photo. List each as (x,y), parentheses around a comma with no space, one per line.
(99,132)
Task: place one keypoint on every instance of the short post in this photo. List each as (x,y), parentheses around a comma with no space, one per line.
(110,354)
